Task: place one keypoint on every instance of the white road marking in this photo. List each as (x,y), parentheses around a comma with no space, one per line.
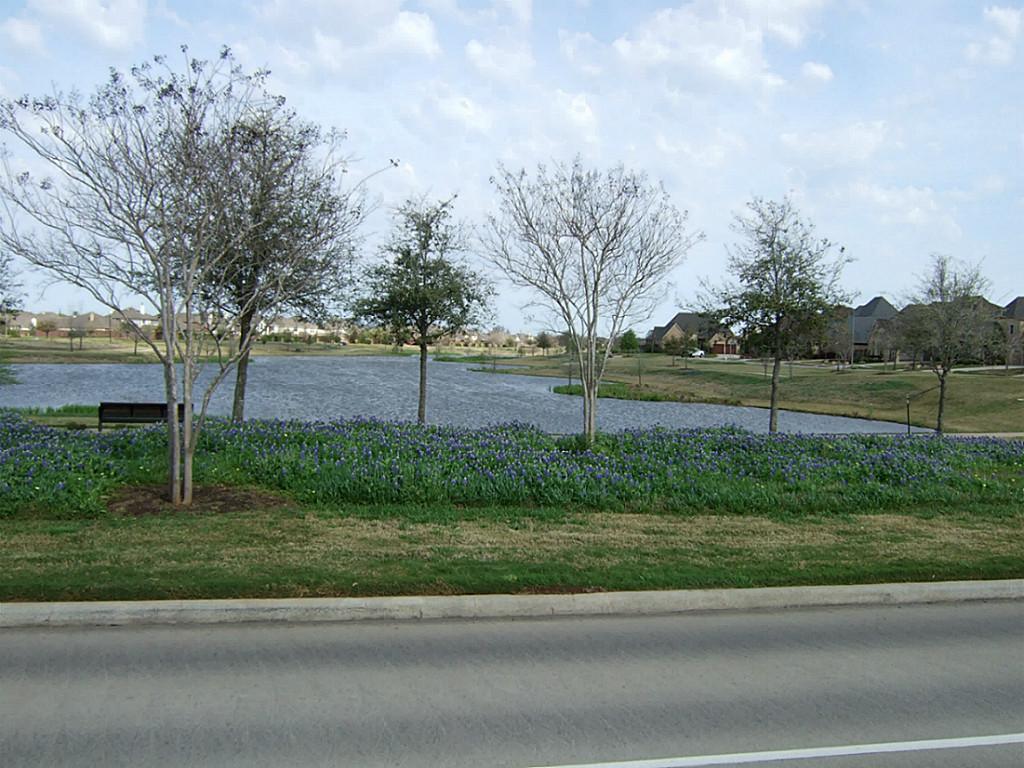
(814,752)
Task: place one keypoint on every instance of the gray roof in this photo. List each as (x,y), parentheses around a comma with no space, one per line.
(693,323)
(866,315)
(1015,309)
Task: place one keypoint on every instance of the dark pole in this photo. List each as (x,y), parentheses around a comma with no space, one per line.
(908,414)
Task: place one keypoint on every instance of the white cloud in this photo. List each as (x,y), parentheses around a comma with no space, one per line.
(910,205)
(812,70)
(7,82)
(465,111)
(576,108)
(1001,47)
(406,33)
(983,188)
(499,63)
(499,13)
(720,41)
(23,34)
(411,33)
(581,50)
(329,51)
(786,20)
(1007,19)
(712,154)
(854,143)
(117,24)
(521,10)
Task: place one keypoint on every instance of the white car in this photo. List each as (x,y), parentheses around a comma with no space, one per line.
(697,353)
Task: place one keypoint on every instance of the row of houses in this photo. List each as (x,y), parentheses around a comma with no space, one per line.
(866,331)
(116,325)
(873,329)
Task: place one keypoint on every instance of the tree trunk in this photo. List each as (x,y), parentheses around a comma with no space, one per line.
(189,433)
(942,402)
(773,413)
(421,413)
(173,435)
(241,376)
(590,411)
(242,373)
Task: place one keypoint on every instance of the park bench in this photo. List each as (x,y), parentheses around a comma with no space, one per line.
(135,413)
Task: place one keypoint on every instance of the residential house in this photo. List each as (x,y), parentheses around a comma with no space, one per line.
(1011,318)
(696,328)
(871,326)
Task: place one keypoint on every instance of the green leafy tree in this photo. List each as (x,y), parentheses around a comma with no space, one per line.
(545,342)
(785,284)
(300,228)
(674,346)
(46,327)
(628,342)
(951,322)
(421,290)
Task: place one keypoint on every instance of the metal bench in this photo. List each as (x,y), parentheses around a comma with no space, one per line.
(135,413)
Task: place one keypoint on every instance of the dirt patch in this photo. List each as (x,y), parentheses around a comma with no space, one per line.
(147,500)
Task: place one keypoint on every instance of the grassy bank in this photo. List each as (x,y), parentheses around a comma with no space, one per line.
(352,550)
(101,350)
(367,507)
(975,402)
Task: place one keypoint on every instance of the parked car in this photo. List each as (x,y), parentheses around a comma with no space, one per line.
(697,353)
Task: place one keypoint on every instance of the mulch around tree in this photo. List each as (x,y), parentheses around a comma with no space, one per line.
(146,500)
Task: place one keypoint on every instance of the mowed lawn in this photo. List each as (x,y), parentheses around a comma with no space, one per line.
(287,551)
(976,402)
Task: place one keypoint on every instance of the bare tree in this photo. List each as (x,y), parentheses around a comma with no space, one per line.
(595,247)
(786,287)
(135,208)
(951,322)
(9,304)
(10,298)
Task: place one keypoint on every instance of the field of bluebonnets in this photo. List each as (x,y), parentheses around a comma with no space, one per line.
(58,472)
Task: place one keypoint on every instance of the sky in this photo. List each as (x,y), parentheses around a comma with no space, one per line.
(896,127)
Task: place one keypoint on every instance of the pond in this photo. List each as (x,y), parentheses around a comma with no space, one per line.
(308,388)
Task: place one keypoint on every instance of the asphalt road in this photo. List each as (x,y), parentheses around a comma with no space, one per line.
(521,693)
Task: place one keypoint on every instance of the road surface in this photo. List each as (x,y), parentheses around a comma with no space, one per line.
(525,693)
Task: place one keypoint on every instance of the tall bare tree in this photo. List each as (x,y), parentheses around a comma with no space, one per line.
(595,247)
(9,304)
(952,322)
(786,288)
(135,206)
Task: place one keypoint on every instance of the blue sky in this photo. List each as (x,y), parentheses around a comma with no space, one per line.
(898,127)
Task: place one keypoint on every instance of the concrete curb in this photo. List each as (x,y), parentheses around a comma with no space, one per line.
(495,606)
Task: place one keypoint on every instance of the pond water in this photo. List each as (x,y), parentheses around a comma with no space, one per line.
(309,388)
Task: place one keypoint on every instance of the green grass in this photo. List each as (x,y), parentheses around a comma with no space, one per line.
(975,403)
(623,391)
(443,550)
(62,410)
(102,350)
